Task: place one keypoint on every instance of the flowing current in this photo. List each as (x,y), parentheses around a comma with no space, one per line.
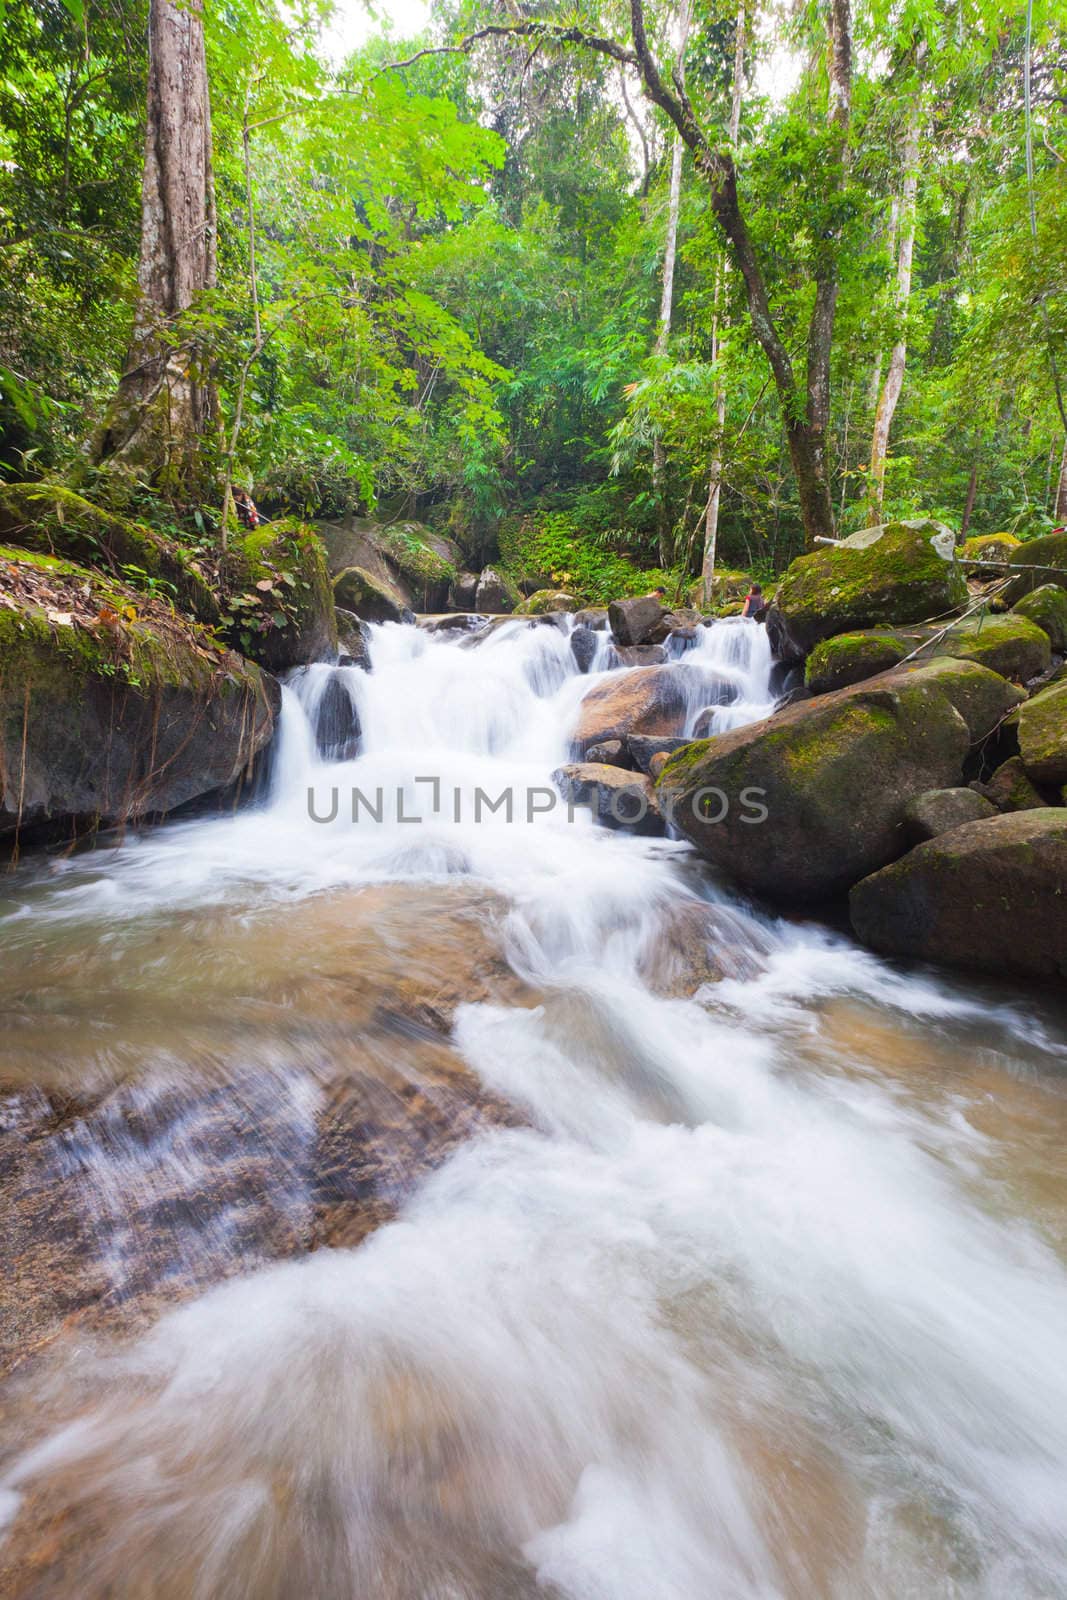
(752,1292)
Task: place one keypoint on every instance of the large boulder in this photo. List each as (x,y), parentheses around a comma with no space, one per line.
(112,707)
(544,601)
(495,595)
(280,611)
(55,521)
(899,572)
(800,806)
(371,598)
(1043,735)
(617,798)
(1013,646)
(988,895)
(636,621)
(850,657)
(1047,608)
(650,700)
(1040,561)
(409,561)
(989,552)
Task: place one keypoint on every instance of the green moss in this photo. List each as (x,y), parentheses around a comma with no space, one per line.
(683,760)
(848,658)
(544,601)
(293,620)
(1046,607)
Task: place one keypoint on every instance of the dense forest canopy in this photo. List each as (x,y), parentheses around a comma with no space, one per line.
(437,276)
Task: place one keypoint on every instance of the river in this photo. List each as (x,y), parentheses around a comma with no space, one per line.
(634,1293)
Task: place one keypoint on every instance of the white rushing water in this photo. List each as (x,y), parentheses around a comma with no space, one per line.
(736,1315)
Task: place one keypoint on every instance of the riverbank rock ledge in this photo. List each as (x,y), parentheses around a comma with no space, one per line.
(113,708)
(896,573)
(990,895)
(834,776)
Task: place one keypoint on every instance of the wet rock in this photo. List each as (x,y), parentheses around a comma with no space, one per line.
(494,593)
(1047,607)
(638,655)
(591,617)
(987,895)
(635,621)
(612,753)
(848,658)
(642,748)
(1010,789)
(649,700)
(802,805)
(552,619)
(899,572)
(107,723)
(463,592)
(454,622)
(940,810)
(685,619)
(694,943)
(1043,735)
(337,729)
(795,697)
(584,647)
(616,798)
(353,640)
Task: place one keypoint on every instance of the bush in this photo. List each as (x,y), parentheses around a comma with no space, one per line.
(549,550)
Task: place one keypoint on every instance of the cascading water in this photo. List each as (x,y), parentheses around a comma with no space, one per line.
(763,1295)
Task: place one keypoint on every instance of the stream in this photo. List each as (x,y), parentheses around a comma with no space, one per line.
(454,1205)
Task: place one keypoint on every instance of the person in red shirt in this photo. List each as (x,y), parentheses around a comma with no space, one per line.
(754,602)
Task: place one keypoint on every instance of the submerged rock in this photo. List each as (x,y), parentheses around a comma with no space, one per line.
(988,895)
(111,707)
(617,799)
(800,806)
(337,730)
(900,572)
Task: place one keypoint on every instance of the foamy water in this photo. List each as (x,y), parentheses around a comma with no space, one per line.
(768,1299)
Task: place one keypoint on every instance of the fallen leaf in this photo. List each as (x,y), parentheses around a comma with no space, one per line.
(62,619)
(265,585)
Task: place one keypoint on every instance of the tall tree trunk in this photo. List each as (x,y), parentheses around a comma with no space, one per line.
(1060,512)
(165,409)
(666,307)
(968,505)
(894,380)
(711,524)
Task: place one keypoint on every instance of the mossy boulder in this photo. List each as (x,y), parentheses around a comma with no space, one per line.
(111,706)
(1043,735)
(988,551)
(990,895)
(1046,607)
(55,521)
(544,601)
(984,699)
(1044,561)
(409,561)
(369,597)
(832,778)
(1011,789)
(1011,645)
(850,657)
(281,605)
(899,572)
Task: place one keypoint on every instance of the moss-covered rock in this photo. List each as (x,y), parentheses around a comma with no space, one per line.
(111,706)
(900,572)
(281,604)
(1043,735)
(1046,607)
(544,601)
(1010,789)
(1044,561)
(833,776)
(406,559)
(991,895)
(983,699)
(55,521)
(850,657)
(987,552)
(1011,645)
(370,598)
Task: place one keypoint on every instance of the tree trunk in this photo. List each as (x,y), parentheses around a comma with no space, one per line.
(666,307)
(711,526)
(1060,512)
(165,409)
(968,506)
(894,381)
